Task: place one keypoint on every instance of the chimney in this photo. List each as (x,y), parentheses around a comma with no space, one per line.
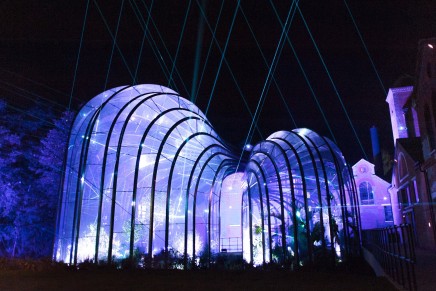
(376,154)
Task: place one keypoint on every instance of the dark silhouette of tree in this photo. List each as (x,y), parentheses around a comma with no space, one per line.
(31,154)
(8,185)
(51,154)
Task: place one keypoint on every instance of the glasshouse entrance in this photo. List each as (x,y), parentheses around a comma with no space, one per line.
(147,177)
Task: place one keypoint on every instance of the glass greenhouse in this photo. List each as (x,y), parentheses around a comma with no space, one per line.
(145,175)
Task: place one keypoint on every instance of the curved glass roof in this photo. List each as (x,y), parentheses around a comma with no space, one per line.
(144,171)
(300,192)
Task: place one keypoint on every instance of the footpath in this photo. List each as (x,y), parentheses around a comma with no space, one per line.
(425,270)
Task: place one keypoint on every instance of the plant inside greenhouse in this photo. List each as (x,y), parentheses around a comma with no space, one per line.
(149,181)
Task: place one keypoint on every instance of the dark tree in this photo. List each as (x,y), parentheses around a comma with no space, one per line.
(9,142)
(50,166)
(31,155)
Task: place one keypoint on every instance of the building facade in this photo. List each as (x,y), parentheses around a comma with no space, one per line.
(413,118)
(374,198)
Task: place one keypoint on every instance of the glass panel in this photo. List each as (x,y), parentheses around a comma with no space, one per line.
(135,148)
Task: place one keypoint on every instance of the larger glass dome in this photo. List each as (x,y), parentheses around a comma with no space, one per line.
(144,174)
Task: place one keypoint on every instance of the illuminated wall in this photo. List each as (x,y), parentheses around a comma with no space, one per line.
(373,196)
(144,171)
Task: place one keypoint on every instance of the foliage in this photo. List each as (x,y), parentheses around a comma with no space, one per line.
(277,254)
(257,245)
(7,264)
(258,229)
(205,257)
(335,230)
(318,232)
(227,261)
(138,232)
(31,156)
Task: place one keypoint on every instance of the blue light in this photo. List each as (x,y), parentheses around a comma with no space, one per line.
(181,175)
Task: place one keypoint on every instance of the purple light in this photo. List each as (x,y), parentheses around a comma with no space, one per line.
(248,147)
(155,164)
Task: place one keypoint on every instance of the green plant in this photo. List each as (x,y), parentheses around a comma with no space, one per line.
(317,232)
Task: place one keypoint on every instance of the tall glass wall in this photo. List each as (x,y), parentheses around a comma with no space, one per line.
(143,175)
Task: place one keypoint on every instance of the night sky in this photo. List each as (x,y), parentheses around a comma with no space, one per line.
(40,40)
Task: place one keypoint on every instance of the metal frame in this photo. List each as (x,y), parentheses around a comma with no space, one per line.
(317,152)
(93,168)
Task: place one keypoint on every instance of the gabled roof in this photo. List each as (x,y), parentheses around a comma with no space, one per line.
(363,161)
(370,173)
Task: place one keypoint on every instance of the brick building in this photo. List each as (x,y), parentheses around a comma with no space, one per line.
(413,118)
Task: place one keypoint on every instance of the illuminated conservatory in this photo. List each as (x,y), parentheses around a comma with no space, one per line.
(147,176)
